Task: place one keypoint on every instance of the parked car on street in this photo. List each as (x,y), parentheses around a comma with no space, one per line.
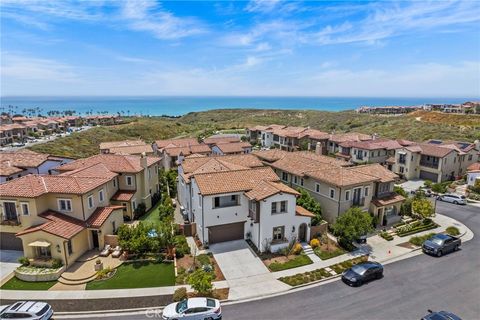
(29,310)
(440,315)
(440,244)
(453,198)
(193,309)
(362,273)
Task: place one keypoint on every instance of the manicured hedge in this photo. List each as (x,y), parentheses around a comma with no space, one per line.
(418,229)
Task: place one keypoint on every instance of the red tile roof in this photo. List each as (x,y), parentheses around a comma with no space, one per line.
(265,189)
(123,195)
(385,201)
(233,147)
(33,185)
(58,224)
(114,162)
(98,218)
(185,142)
(474,167)
(301,211)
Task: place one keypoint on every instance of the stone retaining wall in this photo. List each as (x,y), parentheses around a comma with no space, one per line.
(39,277)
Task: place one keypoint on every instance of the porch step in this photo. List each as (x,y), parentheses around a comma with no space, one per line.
(307,249)
(76,282)
(70,277)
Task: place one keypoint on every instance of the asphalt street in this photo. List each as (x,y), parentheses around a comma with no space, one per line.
(408,289)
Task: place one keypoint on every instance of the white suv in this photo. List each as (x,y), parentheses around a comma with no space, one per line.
(453,198)
(28,310)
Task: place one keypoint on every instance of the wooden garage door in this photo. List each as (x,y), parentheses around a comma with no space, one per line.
(225,232)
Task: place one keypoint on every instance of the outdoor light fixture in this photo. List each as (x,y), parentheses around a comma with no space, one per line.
(293,229)
(58,248)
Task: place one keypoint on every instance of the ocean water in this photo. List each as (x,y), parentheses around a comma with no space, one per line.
(175,106)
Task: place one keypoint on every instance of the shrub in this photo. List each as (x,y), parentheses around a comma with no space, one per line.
(24,261)
(314,243)
(180,294)
(201,281)
(453,231)
(57,263)
(104,273)
(297,249)
(181,246)
(419,240)
(140,210)
(386,236)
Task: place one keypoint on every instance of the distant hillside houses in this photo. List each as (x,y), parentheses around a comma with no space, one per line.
(470,107)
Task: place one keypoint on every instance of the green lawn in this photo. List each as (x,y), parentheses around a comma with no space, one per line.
(324,255)
(298,261)
(16,284)
(143,274)
(153,215)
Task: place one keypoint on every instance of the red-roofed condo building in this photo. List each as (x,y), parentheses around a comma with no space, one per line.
(63,216)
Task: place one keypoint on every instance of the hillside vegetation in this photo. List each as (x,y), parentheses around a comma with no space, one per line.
(417,126)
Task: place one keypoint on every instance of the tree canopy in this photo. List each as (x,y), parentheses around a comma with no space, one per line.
(306,201)
(351,225)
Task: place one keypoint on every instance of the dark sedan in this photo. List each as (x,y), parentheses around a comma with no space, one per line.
(362,272)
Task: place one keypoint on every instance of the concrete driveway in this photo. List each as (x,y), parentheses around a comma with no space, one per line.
(8,262)
(237,260)
(412,185)
(245,273)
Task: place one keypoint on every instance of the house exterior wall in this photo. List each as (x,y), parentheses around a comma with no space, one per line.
(331,207)
(370,156)
(262,233)
(472,177)
(266,138)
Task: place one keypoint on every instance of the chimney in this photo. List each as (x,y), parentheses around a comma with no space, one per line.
(143,160)
(374,136)
(318,148)
(477,144)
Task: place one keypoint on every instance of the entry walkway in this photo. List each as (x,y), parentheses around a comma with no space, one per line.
(245,273)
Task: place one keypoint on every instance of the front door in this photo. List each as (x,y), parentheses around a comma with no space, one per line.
(95,239)
(302,232)
(10,210)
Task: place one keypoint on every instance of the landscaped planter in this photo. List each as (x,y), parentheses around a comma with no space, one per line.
(32,274)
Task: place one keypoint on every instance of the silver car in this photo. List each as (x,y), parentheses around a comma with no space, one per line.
(193,309)
(453,198)
(29,310)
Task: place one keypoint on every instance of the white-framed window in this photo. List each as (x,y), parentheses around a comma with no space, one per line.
(283,206)
(129,180)
(284,176)
(301,182)
(347,195)
(25,208)
(278,233)
(65,205)
(100,195)
(115,182)
(317,188)
(365,192)
(134,205)
(295,179)
(332,193)
(90,202)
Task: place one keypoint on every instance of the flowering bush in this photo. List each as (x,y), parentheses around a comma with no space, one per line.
(314,243)
(297,249)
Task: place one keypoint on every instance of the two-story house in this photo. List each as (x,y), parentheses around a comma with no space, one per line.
(23,162)
(231,148)
(174,150)
(137,179)
(247,204)
(59,216)
(434,162)
(369,151)
(334,185)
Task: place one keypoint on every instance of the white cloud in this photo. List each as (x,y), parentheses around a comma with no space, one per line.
(147,16)
(21,67)
(262,5)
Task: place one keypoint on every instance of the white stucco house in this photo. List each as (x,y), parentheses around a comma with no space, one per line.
(473,174)
(230,201)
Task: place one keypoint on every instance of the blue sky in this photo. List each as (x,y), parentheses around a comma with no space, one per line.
(264,48)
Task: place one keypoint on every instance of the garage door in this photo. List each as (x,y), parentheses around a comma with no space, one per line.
(8,241)
(428,176)
(226,232)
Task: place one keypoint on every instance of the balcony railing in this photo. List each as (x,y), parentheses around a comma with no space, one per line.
(429,164)
(358,202)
